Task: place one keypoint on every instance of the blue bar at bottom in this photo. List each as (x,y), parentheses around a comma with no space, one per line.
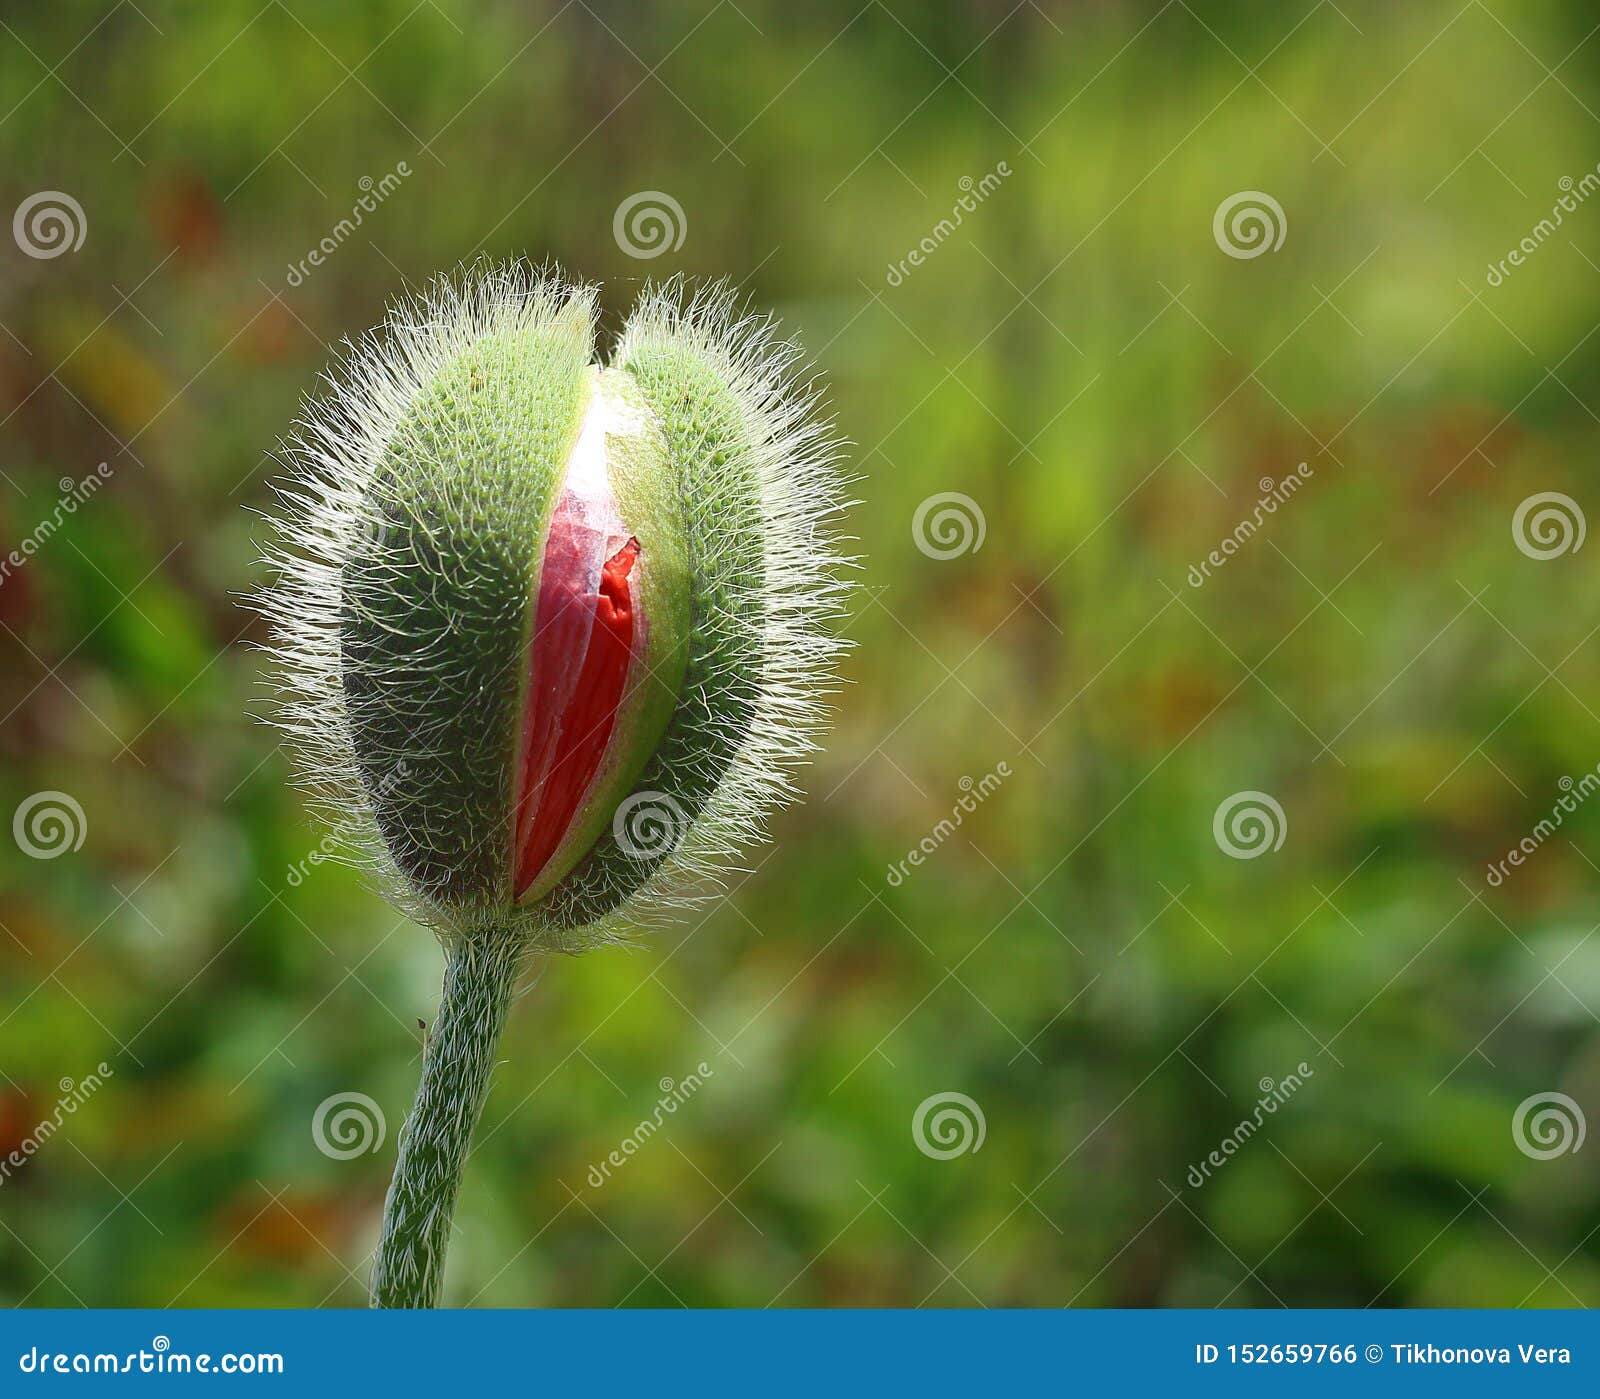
(805,1353)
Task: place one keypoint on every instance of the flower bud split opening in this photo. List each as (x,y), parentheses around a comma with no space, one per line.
(551,636)
(523,599)
(594,654)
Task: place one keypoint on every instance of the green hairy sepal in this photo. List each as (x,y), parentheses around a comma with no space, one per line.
(407,565)
(434,614)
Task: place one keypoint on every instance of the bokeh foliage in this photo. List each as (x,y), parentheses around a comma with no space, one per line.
(1082,360)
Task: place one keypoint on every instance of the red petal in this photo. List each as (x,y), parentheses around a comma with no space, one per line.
(578,668)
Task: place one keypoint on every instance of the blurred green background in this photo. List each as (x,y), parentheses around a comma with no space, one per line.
(1084,362)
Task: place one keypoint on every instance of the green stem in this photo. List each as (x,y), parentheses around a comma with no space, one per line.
(457,1060)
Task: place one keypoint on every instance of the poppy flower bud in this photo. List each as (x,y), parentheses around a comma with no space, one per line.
(552,633)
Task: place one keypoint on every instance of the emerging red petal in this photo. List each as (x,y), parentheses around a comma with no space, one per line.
(578,669)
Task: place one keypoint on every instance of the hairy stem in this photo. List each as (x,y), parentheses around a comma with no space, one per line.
(457,1061)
